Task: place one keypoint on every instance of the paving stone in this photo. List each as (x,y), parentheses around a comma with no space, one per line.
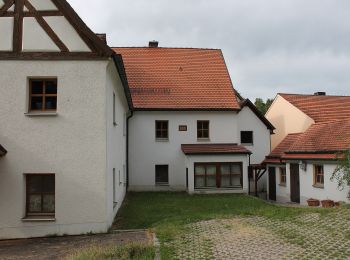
(307,236)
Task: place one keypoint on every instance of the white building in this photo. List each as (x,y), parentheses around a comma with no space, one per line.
(190,130)
(74,135)
(62,113)
(310,131)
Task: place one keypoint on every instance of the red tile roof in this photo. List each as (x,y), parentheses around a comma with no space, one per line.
(324,137)
(321,108)
(194,149)
(178,79)
(321,141)
(310,156)
(276,155)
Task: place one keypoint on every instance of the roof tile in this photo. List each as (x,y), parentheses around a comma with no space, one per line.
(178,79)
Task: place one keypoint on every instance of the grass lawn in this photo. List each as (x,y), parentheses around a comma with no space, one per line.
(169,213)
(139,252)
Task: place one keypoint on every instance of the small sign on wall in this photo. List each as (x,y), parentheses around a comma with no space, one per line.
(182,128)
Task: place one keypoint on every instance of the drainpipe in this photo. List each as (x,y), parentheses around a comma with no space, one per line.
(249,176)
(127,148)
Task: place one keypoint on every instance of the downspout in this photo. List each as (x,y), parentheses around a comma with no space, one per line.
(249,169)
(127,148)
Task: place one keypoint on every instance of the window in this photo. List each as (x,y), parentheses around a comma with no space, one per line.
(43,95)
(231,175)
(114,116)
(283,176)
(246,137)
(218,175)
(162,130)
(40,195)
(162,175)
(318,175)
(203,129)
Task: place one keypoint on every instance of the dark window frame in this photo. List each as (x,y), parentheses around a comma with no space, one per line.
(42,95)
(252,137)
(162,183)
(162,129)
(29,193)
(203,129)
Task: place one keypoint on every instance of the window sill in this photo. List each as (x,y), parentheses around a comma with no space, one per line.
(162,139)
(318,186)
(283,184)
(203,139)
(247,144)
(33,114)
(162,184)
(39,219)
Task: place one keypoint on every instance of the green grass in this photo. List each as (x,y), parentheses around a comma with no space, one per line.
(149,210)
(168,213)
(132,251)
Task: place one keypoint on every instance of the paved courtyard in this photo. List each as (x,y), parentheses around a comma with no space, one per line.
(63,247)
(308,236)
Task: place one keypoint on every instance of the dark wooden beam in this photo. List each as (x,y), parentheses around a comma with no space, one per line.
(5,7)
(51,56)
(46,27)
(18,26)
(29,14)
(90,38)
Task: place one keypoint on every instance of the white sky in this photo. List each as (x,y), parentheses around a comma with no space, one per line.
(270,46)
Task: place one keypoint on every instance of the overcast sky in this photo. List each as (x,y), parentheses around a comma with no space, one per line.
(270,46)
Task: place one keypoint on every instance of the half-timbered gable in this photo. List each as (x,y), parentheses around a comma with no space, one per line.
(46,29)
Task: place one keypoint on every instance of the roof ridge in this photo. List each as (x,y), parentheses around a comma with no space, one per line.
(311,95)
(175,48)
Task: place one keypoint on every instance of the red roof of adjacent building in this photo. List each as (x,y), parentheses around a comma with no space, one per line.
(321,108)
(331,136)
(214,149)
(178,79)
(321,141)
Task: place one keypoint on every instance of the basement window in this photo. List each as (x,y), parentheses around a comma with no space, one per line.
(42,95)
(40,195)
(162,175)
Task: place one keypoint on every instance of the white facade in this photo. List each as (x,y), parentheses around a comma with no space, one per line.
(225,127)
(79,144)
(307,188)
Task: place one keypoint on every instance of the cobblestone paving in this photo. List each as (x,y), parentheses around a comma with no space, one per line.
(308,236)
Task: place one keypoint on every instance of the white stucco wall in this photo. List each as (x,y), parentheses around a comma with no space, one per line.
(330,190)
(6,32)
(287,119)
(307,190)
(248,121)
(73,145)
(116,142)
(146,152)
